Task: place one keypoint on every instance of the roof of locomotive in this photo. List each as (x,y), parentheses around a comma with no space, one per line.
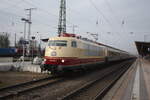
(84,40)
(68,36)
(72,38)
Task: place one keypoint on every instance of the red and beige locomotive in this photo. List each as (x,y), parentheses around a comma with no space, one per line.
(70,52)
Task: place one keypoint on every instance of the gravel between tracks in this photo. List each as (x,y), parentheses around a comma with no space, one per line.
(13,78)
(92,91)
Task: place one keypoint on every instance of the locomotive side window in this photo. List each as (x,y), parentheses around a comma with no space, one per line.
(57,43)
(74,44)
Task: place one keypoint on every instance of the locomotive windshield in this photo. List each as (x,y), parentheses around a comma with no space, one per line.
(57,43)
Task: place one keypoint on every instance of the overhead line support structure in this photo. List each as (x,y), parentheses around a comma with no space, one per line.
(30,22)
(29,28)
(62,18)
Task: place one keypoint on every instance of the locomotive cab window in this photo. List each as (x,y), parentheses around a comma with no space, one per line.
(57,43)
(74,44)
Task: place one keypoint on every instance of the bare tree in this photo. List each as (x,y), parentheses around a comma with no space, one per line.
(4,40)
(20,42)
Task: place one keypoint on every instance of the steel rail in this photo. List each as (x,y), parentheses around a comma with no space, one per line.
(86,86)
(18,89)
(104,91)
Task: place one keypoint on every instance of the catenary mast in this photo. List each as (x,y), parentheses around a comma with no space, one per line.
(62,18)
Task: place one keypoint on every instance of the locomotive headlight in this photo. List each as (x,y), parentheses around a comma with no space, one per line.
(62,60)
(53,53)
(44,60)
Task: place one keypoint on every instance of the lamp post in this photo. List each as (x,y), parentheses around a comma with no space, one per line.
(39,46)
(25,21)
(15,39)
(32,47)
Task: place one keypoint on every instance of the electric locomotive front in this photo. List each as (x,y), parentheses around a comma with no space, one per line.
(71,53)
(55,48)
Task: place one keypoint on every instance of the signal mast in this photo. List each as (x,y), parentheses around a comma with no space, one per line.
(62,18)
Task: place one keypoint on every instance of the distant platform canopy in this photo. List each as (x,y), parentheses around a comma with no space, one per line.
(143,48)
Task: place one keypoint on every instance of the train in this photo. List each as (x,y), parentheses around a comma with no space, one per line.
(7,52)
(16,52)
(70,52)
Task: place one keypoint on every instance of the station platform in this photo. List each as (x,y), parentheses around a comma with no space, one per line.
(134,84)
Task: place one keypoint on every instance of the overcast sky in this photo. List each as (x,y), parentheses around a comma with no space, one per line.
(118,22)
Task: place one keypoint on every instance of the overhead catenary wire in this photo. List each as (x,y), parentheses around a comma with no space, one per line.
(100,13)
(73,11)
(21,16)
(120,23)
(35,5)
(46,26)
(77,13)
(112,11)
(13,5)
(10,13)
(42,10)
(26,2)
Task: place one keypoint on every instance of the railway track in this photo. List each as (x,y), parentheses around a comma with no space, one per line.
(15,90)
(86,90)
(25,89)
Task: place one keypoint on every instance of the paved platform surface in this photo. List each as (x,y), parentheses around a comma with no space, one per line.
(134,84)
